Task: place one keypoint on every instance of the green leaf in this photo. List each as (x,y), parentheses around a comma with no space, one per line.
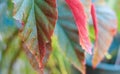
(38,18)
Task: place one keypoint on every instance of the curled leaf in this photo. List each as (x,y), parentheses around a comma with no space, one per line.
(94,18)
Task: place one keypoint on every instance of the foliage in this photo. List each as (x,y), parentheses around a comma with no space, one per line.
(38,20)
(30,31)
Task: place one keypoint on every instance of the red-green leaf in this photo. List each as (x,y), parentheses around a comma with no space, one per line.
(68,36)
(38,18)
(81,21)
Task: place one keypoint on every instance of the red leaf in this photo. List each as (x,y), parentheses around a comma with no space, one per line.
(81,21)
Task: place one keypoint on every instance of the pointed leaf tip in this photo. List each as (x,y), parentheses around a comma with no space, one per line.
(107,27)
(38,27)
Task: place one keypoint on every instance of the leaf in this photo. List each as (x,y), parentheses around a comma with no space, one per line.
(95,23)
(81,22)
(107,28)
(67,35)
(94,18)
(38,18)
